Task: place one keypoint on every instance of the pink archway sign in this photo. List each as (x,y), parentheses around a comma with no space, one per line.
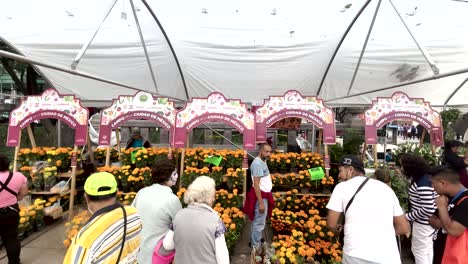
(140,106)
(215,108)
(293,104)
(50,104)
(402,107)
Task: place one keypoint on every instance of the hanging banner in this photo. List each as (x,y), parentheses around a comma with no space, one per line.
(50,104)
(293,104)
(142,105)
(400,107)
(215,108)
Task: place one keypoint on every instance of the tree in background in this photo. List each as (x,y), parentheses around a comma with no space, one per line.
(448,117)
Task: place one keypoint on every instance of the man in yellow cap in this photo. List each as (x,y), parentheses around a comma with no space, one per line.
(112,234)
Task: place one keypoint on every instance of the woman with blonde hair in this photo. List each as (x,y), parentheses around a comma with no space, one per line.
(198,232)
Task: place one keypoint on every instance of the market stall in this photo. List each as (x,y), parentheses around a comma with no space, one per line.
(50,104)
(293,104)
(142,105)
(401,107)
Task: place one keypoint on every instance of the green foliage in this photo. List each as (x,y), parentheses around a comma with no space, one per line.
(336,151)
(352,142)
(400,186)
(425,151)
(449,116)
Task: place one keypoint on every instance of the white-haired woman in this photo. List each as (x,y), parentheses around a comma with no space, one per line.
(198,232)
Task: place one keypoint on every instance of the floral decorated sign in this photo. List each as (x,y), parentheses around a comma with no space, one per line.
(293,104)
(50,104)
(215,108)
(401,107)
(141,106)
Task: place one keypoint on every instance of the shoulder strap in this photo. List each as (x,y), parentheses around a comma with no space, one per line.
(4,186)
(461,200)
(124,233)
(352,198)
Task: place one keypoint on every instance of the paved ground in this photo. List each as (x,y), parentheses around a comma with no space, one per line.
(42,247)
(46,247)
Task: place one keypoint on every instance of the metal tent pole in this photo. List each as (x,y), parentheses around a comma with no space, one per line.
(73,72)
(170,46)
(142,39)
(421,48)
(363,50)
(358,14)
(434,77)
(454,92)
(87,44)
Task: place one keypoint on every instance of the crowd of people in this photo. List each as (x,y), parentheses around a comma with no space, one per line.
(369,214)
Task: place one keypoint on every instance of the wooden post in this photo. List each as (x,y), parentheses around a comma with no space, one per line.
(364,149)
(327,160)
(421,140)
(182,161)
(117,136)
(31,137)
(319,143)
(73,183)
(90,149)
(108,156)
(376,161)
(17,148)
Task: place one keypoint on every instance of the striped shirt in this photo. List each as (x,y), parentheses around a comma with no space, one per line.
(422,201)
(100,240)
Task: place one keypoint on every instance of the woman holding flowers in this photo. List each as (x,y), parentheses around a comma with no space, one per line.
(157,206)
(198,232)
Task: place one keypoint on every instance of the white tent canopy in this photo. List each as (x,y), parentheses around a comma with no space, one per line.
(245,49)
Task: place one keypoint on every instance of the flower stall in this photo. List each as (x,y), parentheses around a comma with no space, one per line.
(215,108)
(293,104)
(50,104)
(401,107)
(142,105)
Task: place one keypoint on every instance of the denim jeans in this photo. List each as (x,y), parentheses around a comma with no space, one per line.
(258,224)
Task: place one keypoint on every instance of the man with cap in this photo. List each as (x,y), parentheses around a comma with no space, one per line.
(372,214)
(136,140)
(112,234)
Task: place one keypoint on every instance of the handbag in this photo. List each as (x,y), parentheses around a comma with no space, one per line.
(341,220)
(162,259)
(456,248)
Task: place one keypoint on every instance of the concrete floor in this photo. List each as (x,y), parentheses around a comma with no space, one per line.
(42,247)
(46,247)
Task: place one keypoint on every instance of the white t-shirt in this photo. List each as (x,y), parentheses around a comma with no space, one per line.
(259,168)
(369,231)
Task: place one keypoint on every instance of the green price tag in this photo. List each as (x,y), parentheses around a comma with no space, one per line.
(316,173)
(215,160)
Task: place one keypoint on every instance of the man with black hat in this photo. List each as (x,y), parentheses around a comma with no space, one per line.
(112,234)
(372,214)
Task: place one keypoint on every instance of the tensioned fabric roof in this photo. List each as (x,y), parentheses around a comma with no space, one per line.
(246,49)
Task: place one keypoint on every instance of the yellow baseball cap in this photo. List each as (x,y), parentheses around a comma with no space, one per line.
(101,183)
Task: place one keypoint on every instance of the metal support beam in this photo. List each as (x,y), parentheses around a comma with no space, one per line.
(142,39)
(364,46)
(87,44)
(454,92)
(358,14)
(170,47)
(73,72)
(421,48)
(434,77)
